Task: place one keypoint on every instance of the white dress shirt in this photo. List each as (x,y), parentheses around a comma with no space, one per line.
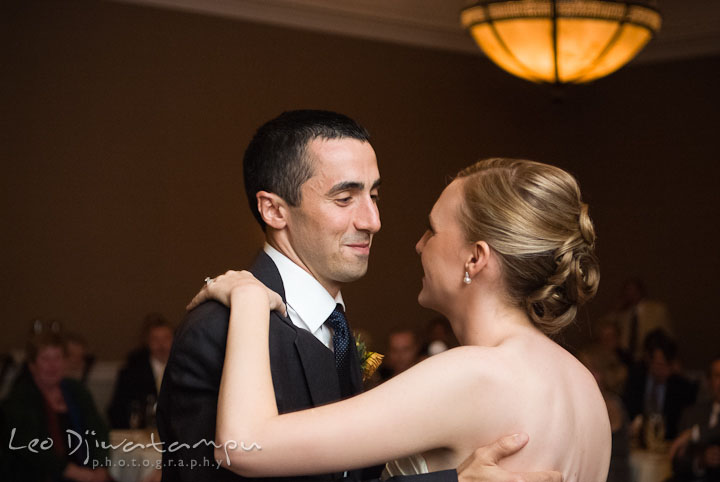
(714,415)
(158,369)
(308,304)
(712,422)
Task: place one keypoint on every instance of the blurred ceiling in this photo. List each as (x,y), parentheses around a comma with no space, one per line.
(691,28)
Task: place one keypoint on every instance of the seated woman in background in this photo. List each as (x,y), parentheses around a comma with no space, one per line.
(507,258)
(45,406)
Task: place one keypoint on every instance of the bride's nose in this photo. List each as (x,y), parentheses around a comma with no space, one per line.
(421,243)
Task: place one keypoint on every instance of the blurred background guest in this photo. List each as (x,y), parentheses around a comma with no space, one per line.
(607,336)
(636,316)
(655,389)
(611,374)
(7,367)
(79,360)
(43,405)
(138,383)
(402,353)
(438,337)
(16,365)
(696,451)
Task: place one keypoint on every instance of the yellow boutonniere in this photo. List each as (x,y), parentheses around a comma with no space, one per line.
(369,360)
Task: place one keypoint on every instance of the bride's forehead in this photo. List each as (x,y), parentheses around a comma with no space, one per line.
(444,211)
(450,196)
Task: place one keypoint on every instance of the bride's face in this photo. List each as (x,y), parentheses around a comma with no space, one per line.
(443,251)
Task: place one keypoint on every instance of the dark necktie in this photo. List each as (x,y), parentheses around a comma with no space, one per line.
(341,338)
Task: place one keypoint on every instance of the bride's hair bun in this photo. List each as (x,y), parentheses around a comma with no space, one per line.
(532,215)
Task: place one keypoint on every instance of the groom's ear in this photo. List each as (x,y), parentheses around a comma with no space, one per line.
(479,258)
(273,209)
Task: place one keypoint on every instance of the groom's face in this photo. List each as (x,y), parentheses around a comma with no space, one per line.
(331,230)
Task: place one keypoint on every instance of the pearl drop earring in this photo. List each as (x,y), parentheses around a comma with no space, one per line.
(466,278)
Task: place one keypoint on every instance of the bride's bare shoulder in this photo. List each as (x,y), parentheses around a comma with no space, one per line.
(528,357)
(462,354)
(478,362)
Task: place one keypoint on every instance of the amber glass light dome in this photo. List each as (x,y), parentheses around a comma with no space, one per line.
(561,41)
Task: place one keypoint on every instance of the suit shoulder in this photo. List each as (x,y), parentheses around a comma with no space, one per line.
(207,321)
(198,349)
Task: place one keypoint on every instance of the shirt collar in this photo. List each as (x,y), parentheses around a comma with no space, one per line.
(303,292)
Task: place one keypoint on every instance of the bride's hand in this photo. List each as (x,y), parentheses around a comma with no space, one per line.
(222,288)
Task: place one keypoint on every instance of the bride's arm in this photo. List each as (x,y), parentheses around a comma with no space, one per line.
(425,407)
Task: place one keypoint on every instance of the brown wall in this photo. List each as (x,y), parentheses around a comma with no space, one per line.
(123,129)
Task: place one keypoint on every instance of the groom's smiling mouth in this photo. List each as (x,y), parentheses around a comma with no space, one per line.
(360,248)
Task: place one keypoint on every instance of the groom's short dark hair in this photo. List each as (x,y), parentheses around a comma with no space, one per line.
(276,159)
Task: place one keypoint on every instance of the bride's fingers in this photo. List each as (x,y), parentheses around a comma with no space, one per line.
(276,303)
(220,288)
(200,297)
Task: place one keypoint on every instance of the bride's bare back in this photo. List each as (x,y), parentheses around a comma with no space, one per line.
(530,385)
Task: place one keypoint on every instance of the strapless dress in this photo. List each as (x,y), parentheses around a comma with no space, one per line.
(413,465)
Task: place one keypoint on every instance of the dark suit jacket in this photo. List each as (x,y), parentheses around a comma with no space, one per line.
(303,374)
(680,393)
(134,385)
(683,464)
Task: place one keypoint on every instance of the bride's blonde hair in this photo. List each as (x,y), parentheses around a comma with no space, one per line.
(531,214)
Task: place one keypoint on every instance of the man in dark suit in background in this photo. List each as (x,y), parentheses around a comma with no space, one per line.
(138,383)
(312,182)
(697,448)
(655,387)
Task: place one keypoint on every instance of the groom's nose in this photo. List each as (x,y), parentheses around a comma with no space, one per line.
(367,216)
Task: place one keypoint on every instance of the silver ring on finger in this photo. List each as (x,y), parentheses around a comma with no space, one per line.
(209,281)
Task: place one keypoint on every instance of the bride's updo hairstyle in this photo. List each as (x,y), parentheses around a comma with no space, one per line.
(532,216)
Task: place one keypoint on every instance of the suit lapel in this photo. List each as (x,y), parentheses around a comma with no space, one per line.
(318,362)
(264,270)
